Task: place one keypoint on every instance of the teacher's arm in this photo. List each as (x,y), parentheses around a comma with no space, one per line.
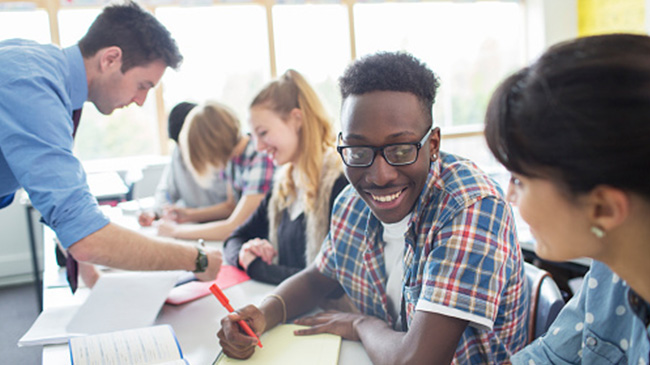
(121,248)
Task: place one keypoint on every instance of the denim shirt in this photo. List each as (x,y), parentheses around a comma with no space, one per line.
(605,323)
(40,86)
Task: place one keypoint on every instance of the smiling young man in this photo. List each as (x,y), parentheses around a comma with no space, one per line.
(42,90)
(422,242)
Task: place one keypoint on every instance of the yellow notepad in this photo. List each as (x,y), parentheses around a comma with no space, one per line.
(282,347)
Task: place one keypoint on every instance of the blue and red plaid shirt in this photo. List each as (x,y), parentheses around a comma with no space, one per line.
(461,258)
(250,173)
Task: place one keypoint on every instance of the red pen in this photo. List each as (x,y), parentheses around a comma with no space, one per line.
(226,303)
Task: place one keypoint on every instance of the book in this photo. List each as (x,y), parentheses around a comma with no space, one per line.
(282,347)
(141,346)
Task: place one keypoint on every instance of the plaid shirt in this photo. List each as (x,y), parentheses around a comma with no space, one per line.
(461,253)
(250,173)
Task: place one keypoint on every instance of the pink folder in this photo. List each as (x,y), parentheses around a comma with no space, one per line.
(228,276)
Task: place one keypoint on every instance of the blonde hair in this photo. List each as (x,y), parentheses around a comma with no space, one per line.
(288,92)
(208,138)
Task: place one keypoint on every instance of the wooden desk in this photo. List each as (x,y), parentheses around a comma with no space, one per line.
(195,323)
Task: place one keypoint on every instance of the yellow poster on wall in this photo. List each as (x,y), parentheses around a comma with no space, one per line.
(611,16)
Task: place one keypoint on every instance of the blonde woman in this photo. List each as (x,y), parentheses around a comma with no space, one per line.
(286,231)
(211,141)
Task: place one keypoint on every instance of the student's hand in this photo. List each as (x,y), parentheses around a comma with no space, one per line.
(146,218)
(167,228)
(214,265)
(334,322)
(255,248)
(178,214)
(233,340)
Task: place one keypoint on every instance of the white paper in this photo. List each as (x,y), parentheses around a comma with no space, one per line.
(151,345)
(49,327)
(118,301)
(122,301)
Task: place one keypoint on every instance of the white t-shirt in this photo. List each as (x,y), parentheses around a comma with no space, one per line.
(393,256)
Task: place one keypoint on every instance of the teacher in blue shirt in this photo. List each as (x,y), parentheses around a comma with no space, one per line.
(42,89)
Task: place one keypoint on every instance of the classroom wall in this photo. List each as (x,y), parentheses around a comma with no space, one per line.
(548,21)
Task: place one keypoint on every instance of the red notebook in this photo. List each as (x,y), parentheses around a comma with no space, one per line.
(228,276)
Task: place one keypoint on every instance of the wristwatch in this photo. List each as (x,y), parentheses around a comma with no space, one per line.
(201,260)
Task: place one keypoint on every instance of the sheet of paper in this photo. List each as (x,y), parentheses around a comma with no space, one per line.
(282,347)
(123,300)
(49,327)
(150,345)
(228,276)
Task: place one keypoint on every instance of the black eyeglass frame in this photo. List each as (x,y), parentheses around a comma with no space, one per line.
(418,146)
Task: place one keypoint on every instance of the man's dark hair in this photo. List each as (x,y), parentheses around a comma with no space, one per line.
(177,118)
(142,38)
(391,71)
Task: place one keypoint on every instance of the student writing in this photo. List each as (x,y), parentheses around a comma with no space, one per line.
(421,241)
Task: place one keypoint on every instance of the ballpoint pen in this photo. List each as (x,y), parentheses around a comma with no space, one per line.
(226,303)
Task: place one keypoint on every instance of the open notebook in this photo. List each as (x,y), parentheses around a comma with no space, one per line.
(282,347)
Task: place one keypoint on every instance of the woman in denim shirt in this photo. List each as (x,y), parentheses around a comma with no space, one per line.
(574,130)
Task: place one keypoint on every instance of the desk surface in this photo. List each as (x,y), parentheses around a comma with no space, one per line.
(195,323)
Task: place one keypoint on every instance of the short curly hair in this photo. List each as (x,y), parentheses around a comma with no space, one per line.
(391,71)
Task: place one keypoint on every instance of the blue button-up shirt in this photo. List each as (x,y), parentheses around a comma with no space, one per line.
(40,86)
(605,323)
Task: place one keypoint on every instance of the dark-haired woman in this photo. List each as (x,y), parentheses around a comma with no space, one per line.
(574,130)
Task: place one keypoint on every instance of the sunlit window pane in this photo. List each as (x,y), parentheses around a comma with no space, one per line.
(74,23)
(225,51)
(314,40)
(130,131)
(24,23)
(471,46)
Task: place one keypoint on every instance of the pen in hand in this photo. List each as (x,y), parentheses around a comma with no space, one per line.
(226,303)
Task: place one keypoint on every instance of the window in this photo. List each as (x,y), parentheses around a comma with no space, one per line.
(24,21)
(226,55)
(470,46)
(315,41)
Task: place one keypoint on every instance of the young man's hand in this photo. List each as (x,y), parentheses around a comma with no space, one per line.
(233,340)
(334,322)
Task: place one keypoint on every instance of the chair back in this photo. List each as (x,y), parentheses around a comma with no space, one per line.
(545,303)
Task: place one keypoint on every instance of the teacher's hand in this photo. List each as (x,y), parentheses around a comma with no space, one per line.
(233,340)
(214,265)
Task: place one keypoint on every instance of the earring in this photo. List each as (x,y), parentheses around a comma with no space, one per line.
(597,231)
(434,157)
